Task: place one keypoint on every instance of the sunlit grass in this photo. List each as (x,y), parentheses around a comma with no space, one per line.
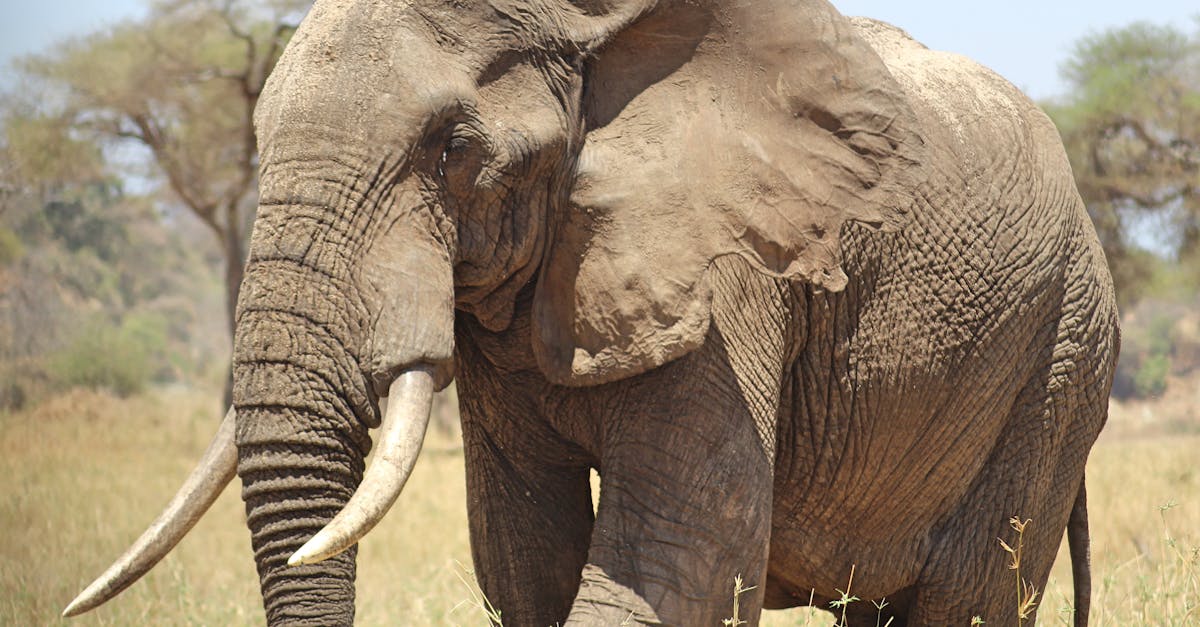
(84,474)
(1144,506)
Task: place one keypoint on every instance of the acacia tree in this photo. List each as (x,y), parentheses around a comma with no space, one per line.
(1131,124)
(181,86)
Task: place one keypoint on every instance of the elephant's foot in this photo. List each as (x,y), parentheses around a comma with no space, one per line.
(602,601)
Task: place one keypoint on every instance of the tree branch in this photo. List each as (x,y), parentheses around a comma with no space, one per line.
(1145,201)
(154,138)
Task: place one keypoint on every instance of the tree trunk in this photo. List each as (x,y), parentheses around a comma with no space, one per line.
(234,256)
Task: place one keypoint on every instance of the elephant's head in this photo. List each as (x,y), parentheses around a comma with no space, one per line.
(421,157)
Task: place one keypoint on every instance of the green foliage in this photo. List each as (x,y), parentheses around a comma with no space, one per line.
(97,292)
(22,383)
(1150,380)
(172,95)
(77,228)
(121,356)
(1148,348)
(1131,125)
(115,356)
(1127,69)
(10,247)
(41,148)
(1136,271)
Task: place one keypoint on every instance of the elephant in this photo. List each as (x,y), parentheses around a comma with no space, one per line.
(815,301)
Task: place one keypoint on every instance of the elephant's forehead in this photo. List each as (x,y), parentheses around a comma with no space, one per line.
(356,64)
(411,42)
(459,28)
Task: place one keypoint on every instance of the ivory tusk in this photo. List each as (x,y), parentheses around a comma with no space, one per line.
(214,471)
(401,436)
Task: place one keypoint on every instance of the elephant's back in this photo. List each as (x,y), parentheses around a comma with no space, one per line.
(999,225)
(954,92)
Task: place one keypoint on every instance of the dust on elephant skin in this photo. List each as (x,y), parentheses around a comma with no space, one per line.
(812,298)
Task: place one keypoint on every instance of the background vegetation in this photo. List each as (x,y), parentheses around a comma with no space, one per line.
(127,185)
(165,105)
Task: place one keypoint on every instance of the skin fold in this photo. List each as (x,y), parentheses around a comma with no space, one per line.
(810,297)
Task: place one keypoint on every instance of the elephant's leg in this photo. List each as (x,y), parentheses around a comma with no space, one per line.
(968,571)
(1034,473)
(687,470)
(530,527)
(528,494)
(687,464)
(684,508)
(529,535)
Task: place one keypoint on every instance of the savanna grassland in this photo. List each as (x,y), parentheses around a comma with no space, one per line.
(84,473)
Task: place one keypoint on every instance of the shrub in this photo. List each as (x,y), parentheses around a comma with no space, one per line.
(1150,379)
(10,247)
(1146,351)
(23,382)
(120,358)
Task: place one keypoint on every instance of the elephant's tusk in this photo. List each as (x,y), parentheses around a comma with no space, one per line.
(199,490)
(400,440)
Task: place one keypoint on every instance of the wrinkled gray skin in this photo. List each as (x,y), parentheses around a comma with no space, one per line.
(509,192)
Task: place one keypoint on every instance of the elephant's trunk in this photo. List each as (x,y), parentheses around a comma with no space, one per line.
(294,481)
(321,334)
(301,445)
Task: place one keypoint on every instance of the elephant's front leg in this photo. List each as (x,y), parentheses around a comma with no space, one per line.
(529,503)
(684,506)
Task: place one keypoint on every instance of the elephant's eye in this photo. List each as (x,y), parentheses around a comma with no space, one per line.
(461,159)
(455,149)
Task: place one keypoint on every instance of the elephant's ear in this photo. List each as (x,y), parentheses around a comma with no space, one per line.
(756,131)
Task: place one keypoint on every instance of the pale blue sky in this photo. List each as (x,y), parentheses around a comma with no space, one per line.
(31,26)
(1024,40)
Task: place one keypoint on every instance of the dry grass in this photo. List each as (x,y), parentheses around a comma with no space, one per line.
(1144,506)
(84,474)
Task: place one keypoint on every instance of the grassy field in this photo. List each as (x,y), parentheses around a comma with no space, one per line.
(85,473)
